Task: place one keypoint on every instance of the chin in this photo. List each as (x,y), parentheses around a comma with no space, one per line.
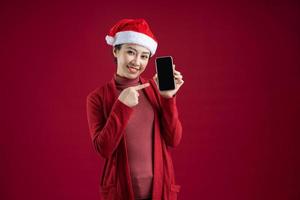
(132,76)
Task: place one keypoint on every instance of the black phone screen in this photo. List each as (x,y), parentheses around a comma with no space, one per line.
(164,69)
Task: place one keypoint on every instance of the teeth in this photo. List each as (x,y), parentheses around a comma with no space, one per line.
(133,67)
(133,70)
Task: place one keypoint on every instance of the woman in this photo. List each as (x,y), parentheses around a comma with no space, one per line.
(132,123)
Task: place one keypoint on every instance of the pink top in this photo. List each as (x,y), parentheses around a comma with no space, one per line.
(139,138)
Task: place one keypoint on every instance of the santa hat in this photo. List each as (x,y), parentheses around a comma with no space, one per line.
(135,31)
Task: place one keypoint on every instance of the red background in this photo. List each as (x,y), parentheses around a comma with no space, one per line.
(239,105)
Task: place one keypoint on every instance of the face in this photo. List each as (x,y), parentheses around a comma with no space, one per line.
(132,60)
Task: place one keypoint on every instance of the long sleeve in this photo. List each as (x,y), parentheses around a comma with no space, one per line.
(172,129)
(106,133)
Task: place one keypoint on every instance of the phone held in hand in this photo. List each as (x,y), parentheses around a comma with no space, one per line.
(164,70)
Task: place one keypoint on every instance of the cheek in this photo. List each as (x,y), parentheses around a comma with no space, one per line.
(144,66)
(124,60)
(128,58)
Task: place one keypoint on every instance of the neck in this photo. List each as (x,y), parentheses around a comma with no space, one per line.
(123,82)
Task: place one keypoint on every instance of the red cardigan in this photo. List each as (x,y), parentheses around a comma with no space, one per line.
(107,119)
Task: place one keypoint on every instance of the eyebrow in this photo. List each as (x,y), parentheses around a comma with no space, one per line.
(136,50)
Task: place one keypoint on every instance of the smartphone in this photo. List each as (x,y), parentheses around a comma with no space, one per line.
(164,70)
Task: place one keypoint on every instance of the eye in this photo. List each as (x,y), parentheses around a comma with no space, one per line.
(145,57)
(130,52)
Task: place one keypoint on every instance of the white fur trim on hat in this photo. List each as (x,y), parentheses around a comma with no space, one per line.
(133,37)
(109,40)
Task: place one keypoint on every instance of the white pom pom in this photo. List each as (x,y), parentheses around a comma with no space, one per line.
(109,40)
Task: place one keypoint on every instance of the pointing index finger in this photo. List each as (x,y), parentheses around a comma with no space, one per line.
(142,86)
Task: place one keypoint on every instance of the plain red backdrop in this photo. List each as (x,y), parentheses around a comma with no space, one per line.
(239,105)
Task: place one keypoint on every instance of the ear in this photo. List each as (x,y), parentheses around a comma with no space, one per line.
(115,51)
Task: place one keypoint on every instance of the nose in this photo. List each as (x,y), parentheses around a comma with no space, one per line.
(136,61)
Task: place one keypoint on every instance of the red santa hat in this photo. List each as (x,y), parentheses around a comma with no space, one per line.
(135,31)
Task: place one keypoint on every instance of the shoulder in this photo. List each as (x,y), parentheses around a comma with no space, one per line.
(97,93)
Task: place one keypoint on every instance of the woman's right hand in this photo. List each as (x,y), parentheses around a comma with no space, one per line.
(130,95)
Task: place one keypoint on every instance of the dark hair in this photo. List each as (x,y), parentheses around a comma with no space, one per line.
(118,48)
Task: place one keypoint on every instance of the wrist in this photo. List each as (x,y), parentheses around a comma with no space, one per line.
(167,96)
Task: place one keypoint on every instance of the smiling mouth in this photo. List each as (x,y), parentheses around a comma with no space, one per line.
(133,69)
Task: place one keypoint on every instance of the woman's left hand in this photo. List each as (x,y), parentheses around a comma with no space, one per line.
(178,83)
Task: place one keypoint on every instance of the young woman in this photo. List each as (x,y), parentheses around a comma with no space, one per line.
(132,123)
